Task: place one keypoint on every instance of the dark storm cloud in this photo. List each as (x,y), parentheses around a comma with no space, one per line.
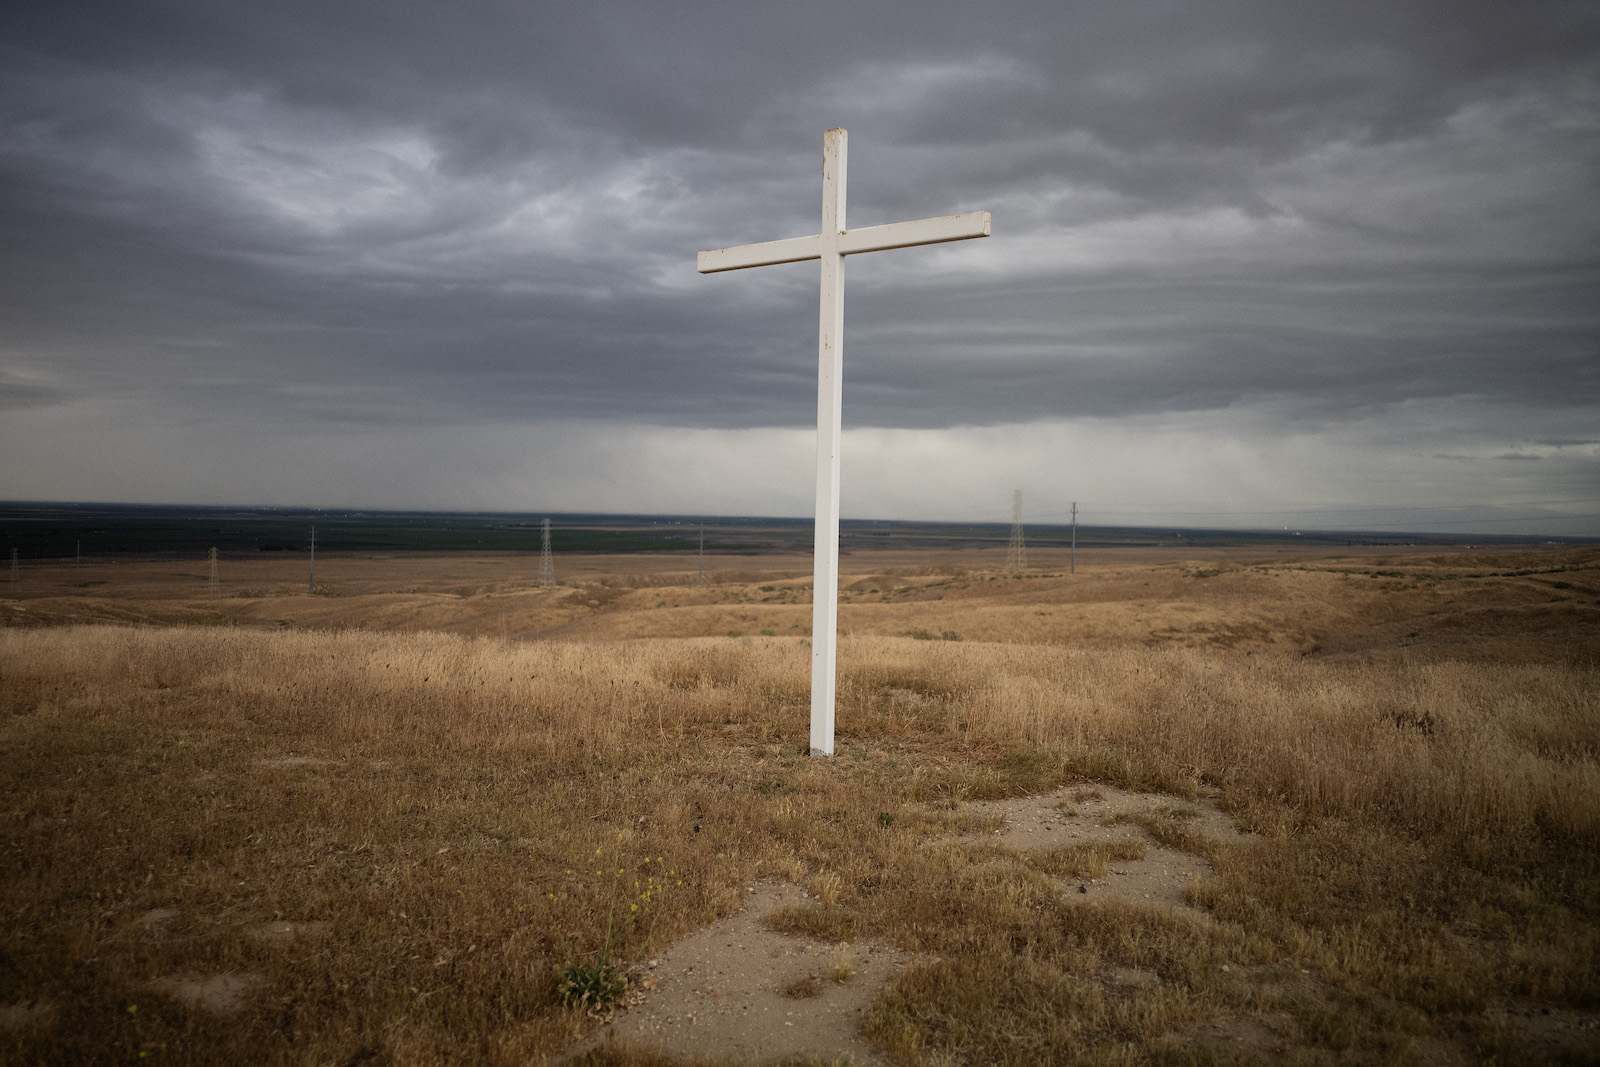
(413,213)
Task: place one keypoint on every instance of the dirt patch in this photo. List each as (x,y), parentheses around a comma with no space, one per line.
(741,992)
(25,1014)
(1134,977)
(219,994)
(296,761)
(1553,1032)
(1240,1039)
(156,919)
(287,933)
(1085,816)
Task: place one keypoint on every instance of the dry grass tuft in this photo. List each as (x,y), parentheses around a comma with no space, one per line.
(803,988)
(841,964)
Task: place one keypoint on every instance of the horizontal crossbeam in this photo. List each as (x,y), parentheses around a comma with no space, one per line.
(919,232)
(864,239)
(788,250)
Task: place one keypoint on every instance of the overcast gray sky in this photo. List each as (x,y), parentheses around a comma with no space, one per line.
(1266,263)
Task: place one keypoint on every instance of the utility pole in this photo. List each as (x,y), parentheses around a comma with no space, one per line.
(547,563)
(213,585)
(1017,554)
(16,574)
(701,580)
(1074,569)
(311,587)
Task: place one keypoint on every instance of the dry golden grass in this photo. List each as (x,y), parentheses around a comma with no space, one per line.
(1517,606)
(424,810)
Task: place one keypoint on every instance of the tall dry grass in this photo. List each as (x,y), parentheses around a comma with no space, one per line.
(1450,747)
(1426,834)
(1456,748)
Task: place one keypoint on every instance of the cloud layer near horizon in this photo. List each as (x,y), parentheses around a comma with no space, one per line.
(1299,255)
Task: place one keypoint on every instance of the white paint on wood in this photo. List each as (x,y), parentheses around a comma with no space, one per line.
(789,250)
(866,239)
(830,246)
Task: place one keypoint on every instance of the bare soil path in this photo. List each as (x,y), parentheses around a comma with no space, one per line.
(1100,815)
(741,992)
(738,991)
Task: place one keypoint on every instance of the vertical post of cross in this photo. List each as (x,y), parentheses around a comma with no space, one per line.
(830,387)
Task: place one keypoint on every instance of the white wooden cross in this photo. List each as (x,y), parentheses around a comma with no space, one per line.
(831,246)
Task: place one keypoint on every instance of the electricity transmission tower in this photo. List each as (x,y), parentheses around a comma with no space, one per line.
(213,585)
(1017,554)
(547,564)
(1074,568)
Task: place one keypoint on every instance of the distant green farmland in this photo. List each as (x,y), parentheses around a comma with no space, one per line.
(57,531)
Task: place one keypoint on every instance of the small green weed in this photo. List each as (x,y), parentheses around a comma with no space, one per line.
(594,986)
(590,986)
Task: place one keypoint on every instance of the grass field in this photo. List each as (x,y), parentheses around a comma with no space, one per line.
(369,825)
